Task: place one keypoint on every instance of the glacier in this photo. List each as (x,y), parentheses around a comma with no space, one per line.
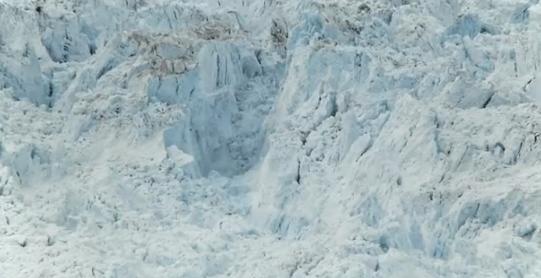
(270,138)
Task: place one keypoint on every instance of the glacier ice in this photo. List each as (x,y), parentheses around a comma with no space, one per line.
(270,138)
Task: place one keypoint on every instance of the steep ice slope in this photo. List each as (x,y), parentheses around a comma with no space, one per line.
(270,138)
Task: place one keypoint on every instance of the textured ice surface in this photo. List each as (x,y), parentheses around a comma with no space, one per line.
(269,138)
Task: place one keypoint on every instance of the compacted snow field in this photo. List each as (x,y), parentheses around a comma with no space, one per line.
(270,138)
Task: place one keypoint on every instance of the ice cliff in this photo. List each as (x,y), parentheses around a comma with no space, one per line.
(270,138)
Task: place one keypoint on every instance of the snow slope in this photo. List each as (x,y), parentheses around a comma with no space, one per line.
(270,138)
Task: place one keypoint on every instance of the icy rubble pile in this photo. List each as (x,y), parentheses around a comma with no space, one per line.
(268,138)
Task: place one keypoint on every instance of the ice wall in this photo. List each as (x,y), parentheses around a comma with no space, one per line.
(156,138)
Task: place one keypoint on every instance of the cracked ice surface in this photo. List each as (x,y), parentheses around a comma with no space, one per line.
(269,138)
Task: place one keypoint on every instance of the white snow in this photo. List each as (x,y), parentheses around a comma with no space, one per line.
(270,138)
